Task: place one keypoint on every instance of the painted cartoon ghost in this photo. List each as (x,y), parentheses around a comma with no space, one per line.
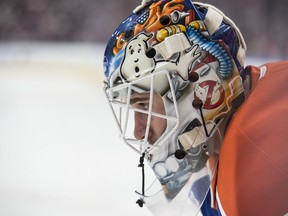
(141,59)
(136,63)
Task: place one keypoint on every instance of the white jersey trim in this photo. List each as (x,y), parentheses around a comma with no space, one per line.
(219,204)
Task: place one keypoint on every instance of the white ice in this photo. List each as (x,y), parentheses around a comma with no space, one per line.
(59,148)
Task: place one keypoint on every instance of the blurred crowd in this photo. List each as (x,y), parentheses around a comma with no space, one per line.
(262,22)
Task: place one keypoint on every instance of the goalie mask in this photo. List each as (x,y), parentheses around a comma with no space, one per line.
(173,80)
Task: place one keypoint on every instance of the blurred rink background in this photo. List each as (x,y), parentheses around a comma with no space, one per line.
(59,148)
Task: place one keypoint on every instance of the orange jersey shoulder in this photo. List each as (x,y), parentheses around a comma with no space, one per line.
(253,167)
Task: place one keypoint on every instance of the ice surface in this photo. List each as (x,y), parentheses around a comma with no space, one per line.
(59,147)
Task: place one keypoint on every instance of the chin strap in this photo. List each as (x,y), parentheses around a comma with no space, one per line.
(140,201)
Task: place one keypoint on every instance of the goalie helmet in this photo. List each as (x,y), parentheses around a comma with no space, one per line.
(173,79)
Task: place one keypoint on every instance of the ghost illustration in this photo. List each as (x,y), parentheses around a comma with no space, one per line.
(140,61)
(136,63)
